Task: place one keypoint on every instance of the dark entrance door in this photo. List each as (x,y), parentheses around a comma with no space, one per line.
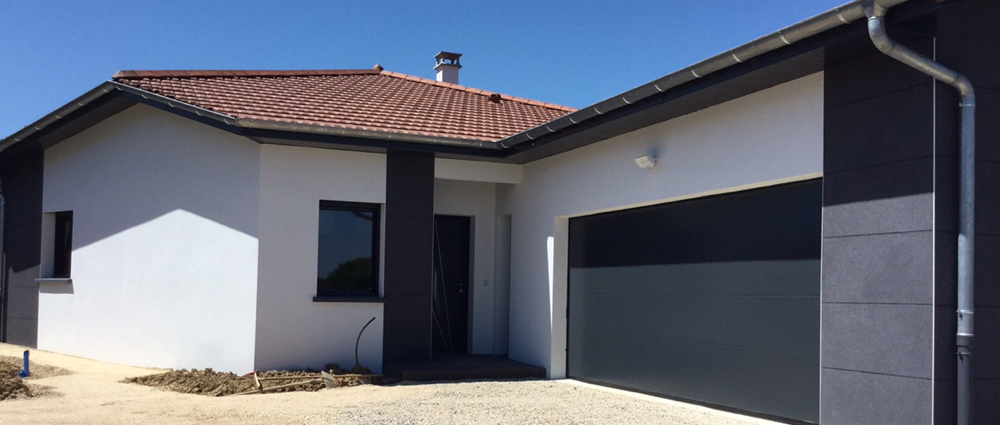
(451,283)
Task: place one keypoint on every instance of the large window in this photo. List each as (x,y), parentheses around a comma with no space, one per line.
(62,245)
(348,249)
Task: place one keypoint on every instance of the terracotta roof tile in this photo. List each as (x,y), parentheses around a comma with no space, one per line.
(354,99)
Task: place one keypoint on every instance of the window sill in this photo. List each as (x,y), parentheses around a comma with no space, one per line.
(54,280)
(348,299)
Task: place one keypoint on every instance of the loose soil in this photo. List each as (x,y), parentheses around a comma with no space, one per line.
(211,383)
(13,387)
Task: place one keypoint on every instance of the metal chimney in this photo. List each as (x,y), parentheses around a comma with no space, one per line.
(447,66)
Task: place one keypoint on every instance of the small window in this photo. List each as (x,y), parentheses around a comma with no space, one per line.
(62,245)
(348,249)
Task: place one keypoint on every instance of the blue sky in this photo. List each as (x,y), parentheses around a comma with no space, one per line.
(574,53)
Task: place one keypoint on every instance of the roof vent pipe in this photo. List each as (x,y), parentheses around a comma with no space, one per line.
(447,66)
(967,184)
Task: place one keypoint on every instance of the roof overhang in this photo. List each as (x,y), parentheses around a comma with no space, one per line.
(785,55)
(782,56)
(110,98)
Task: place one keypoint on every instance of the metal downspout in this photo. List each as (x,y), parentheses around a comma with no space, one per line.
(967,182)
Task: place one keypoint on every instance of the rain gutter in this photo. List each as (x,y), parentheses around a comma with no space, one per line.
(54,116)
(842,15)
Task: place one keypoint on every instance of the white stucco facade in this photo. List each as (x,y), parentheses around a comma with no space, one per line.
(199,248)
(293,330)
(164,243)
(769,137)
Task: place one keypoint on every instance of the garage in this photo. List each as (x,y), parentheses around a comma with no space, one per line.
(712,300)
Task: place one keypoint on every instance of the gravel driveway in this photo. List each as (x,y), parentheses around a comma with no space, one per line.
(92,394)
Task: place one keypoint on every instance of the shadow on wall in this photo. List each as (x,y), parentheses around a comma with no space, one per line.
(143,164)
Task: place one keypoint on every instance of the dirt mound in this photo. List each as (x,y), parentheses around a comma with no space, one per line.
(12,387)
(215,384)
(38,371)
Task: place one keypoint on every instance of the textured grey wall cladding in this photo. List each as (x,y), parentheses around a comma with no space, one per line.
(988,271)
(882,268)
(944,402)
(987,352)
(945,357)
(844,61)
(23,302)
(891,215)
(968,39)
(880,338)
(409,212)
(22,189)
(878,345)
(987,129)
(855,398)
(883,138)
(988,197)
(946,269)
(22,332)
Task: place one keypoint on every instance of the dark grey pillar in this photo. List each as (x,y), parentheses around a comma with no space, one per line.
(409,221)
(890,225)
(21,174)
(878,281)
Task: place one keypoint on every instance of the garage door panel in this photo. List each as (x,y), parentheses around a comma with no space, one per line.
(736,321)
(746,379)
(713,299)
(757,217)
(734,278)
(657,251)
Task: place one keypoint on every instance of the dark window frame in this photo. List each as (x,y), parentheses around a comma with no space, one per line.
(376,211)
(62,245)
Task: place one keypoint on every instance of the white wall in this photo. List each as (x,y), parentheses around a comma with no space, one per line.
(476,171)
(292,330)
(768,137)
(164,262)
(476,200)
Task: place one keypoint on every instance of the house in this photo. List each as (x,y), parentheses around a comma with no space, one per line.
(787,246)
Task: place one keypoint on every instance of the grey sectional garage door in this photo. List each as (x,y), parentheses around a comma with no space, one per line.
(713,300)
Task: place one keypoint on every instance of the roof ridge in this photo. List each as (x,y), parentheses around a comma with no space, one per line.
(127,75)
(476,91)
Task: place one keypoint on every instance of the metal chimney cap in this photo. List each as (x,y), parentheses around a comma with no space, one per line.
(448,58)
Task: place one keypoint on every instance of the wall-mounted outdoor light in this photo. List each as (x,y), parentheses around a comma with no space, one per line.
(645,162)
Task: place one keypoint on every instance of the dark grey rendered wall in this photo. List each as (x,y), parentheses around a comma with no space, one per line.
(21,173)
(409,221)
(890,214)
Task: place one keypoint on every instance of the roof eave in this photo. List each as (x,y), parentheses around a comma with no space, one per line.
(112,88)
(818,24)
(104,89)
